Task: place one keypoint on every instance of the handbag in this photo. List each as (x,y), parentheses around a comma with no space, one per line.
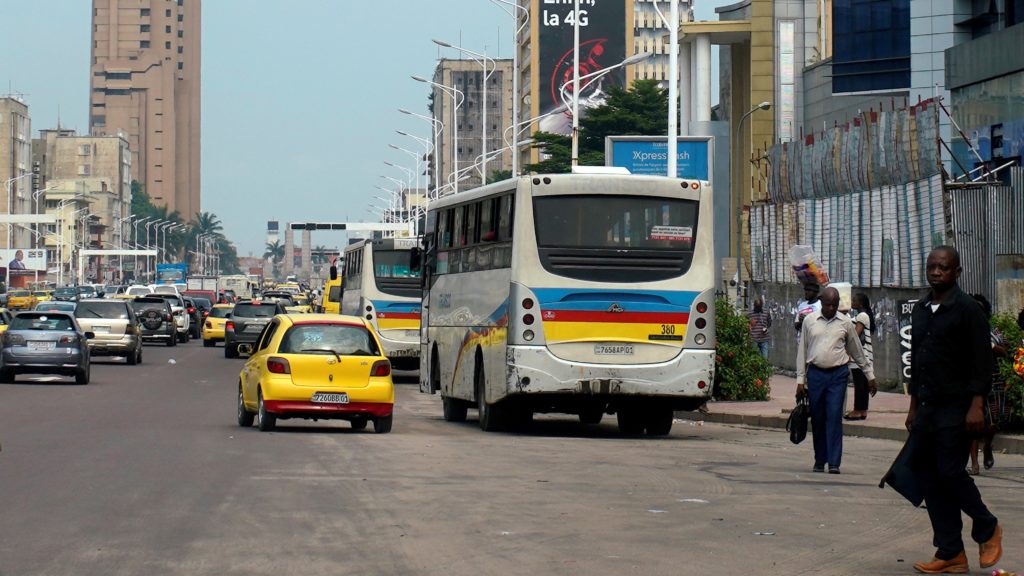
(797,423)
(904,475)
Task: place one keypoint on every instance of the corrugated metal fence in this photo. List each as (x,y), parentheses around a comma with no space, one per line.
(987,222)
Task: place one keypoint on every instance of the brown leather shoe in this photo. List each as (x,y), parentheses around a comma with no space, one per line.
(990,552)
(957,565)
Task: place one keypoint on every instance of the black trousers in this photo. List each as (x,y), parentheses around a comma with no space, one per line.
(860,390)
(950,490)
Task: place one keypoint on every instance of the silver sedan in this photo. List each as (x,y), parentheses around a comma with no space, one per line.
(47,342)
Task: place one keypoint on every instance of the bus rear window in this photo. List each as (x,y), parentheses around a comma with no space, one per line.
(393,264)
(615,222)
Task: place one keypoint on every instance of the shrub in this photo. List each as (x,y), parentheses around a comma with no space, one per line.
(1007,324)
(740,371)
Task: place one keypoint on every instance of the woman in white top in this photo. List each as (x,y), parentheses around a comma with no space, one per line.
(864,322)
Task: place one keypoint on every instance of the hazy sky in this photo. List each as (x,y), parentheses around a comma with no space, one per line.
(300,98)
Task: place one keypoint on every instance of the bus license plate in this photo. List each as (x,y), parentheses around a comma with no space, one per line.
(405,353)
(329,398)
(613,349)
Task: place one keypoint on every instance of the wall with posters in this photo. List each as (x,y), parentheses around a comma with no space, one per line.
(605,32)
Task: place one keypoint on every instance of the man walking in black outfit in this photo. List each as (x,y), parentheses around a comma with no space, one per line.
(951,371)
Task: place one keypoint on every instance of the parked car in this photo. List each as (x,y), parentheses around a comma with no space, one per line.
(317,367)
(246,323)
(156,320)
(115,327)
(213,324)
(20,300)
(55,305)
(45,343)
(182,318)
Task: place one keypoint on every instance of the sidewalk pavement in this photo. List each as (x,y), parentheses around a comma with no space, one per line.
(887,415)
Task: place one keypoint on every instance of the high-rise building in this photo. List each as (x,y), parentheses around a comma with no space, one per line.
(651,35)
(15,168)
(146,81)
(467,76)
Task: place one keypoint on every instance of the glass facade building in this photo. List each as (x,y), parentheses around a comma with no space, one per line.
(871,45)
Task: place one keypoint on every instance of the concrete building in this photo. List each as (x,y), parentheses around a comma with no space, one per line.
(15,168)
(145,85)
(467,76)
(650,35)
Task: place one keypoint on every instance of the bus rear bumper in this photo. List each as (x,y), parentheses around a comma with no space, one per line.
(534,370)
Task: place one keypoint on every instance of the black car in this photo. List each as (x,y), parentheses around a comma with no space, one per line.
(195,326)
(156,320)
(247,321)
(67,294)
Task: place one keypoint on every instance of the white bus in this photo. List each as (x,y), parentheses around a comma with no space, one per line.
(571,293)
(380,284)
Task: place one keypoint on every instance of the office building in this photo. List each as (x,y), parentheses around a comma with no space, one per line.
(651,35)
(145,85)
(15,168)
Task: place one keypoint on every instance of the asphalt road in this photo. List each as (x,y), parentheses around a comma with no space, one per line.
(144,471)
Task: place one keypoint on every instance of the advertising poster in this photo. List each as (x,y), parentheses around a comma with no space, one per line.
(23,259)
(648,155)
(906,307)
(602,44)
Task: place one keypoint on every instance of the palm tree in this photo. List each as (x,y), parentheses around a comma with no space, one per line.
(207,223)
(274,253)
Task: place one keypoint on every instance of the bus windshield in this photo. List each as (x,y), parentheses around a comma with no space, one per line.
(393,264)
(615,222)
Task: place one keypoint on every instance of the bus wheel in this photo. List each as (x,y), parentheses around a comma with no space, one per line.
(489,414)
(454,409)
(659,421)
(592,413)
(631,421)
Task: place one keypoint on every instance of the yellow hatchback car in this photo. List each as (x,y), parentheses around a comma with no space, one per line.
(43,295)
(20,300)
(213,325)
(323,366)
(302,306)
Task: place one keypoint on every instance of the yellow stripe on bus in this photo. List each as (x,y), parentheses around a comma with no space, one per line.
(665,334)
(397,324)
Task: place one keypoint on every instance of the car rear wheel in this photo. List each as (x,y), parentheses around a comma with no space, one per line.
(209,343)
(382,424)
(183,337)
(134,358)
(267,420)
(173,340)
(82,377)
(245,418)
(231,350)
(6,376)
(359,423)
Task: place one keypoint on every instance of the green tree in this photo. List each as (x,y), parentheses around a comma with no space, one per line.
(640,110)
(275,253)
(499,175)
(741,373)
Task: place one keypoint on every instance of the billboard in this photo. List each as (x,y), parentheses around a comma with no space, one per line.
(23,259)
(603,26)
(648,155)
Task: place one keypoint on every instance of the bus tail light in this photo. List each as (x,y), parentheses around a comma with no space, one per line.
(702,384)
(695,185)
(278,365)
(528,319)
(528,335)
(381,368)
(527,303)
(702,307)
(700,339)
(700,323)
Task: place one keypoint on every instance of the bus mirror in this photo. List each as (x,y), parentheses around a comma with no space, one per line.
(334,273)
(415,259)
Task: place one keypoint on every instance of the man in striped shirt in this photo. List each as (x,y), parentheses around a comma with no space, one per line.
(760,322)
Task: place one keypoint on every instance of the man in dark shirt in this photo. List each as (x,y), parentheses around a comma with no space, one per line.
(951,371)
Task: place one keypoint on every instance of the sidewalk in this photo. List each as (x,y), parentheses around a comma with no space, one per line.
(886,417)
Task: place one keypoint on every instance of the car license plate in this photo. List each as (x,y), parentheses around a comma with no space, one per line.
(36,345)
(101,329)
(330,398)
(405,353)
(613,349)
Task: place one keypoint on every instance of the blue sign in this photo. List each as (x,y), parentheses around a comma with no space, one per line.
(649,156)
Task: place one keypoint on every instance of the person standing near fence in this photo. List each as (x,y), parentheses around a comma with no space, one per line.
(997,411)
(864,323)
(760,322)
(828,341)
(810,303)
(951,374)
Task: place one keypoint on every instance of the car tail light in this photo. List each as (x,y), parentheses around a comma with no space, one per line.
(13,339)
(229,325)
(702,307)
(191,310)
(178,312)
(205,313)
(67,339)
(209,325)
(381,368)
(168,317)
(277,365)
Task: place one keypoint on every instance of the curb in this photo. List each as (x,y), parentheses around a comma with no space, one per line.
(1002,443)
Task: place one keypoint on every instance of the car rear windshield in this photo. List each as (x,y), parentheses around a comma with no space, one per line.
(109,310)
(615,222)
(340,339)
(19,293)
(266,310)
(65,292)
(148,303)
(220,313)
(202,302)
(41,322)
(63,306)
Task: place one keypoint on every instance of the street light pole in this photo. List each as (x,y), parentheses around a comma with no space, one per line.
(482,60)
(739,202)
(515,74)
(438,129)
(455,94)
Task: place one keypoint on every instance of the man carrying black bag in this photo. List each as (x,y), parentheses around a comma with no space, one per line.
(951,371)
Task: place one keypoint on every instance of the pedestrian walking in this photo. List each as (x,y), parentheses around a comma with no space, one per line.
(810,303)
(864,324)
(951,375)
(997,411)
(828,341)
(760,322)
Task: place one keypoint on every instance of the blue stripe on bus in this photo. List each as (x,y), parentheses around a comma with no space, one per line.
(393,306)
(600,299)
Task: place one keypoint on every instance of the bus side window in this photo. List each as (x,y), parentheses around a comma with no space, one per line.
(471,224)
(505,219)
(488,232)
